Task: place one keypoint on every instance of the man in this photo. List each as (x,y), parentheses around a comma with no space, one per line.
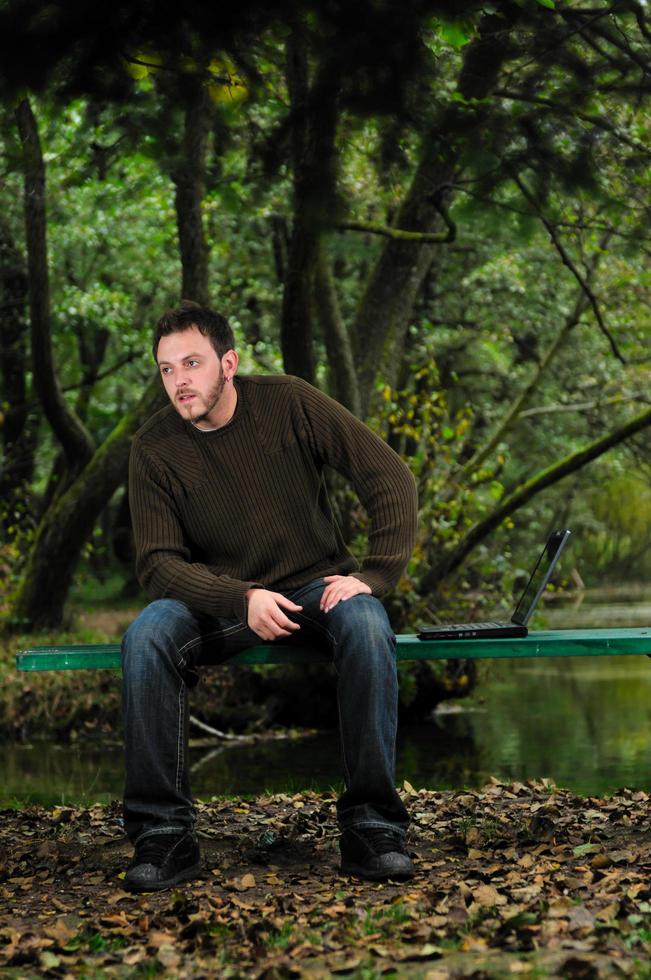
(236,543)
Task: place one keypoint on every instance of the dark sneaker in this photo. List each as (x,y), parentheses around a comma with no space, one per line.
(162,860)
(376,853)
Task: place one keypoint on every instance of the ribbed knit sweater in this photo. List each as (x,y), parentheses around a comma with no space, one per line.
(216,513)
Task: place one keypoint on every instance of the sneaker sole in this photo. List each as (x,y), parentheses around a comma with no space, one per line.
(159,886)
(360,872)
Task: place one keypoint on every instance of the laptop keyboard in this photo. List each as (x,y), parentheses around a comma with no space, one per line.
(475,626)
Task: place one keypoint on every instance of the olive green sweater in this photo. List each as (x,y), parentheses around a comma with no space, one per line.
(216,513)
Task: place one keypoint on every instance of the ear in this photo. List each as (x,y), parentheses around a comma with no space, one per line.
(230,361)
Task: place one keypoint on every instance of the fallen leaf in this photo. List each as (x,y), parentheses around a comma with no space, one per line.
(133,955)
(158,939)
(581,918)
(168,956)
(378,950)
(487,895)
(116,920)
(345,966)
(582,849)
(560,908)
(49,961)
(608,912)
(334,910)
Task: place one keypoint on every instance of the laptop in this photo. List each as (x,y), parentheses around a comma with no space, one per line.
(523,611)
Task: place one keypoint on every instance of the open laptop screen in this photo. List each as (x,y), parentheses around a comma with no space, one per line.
(540,577)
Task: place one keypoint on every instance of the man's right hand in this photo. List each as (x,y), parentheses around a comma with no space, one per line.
(265,614)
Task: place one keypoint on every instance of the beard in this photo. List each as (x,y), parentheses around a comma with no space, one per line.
(210,401)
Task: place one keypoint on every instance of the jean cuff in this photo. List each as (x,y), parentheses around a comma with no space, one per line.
(167,829)
(395,828)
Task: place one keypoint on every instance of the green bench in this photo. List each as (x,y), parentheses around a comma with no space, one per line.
(541,643)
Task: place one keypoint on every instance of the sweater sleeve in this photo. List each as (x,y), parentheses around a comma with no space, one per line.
(163,559)
(383,482)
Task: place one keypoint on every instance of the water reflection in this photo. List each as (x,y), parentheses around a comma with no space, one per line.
(605,608)
(584,722)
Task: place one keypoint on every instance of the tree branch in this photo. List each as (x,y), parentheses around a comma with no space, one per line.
(515,409)
(624,47)
(581,406)
(641,23)
(599,121)
(567,261)
(400,234)
(525,492)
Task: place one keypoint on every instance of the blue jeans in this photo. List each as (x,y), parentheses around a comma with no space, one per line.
(160,653)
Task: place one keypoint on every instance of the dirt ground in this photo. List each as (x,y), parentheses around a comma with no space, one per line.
(513,879)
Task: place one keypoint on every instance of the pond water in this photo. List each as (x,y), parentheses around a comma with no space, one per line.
(583,722)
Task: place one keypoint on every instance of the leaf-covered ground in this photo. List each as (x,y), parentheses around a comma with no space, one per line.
(512,880)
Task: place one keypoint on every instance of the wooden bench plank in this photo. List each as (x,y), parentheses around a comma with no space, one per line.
(541,643)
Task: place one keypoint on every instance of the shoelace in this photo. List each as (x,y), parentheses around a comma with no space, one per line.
(155,848)
(384,841)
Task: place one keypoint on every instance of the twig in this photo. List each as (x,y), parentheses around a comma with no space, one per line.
(567,261)
(597,121)
(400,234)
(581,406)
(216,733)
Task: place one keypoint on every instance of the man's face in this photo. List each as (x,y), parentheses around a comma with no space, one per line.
(191,372)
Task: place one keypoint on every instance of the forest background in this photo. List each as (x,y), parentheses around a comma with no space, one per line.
(438,213)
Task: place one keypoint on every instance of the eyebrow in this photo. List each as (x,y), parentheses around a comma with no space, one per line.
(184,358)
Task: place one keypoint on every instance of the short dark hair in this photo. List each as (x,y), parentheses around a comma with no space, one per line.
(190,314)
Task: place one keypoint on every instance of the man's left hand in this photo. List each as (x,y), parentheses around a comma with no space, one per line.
(341,587)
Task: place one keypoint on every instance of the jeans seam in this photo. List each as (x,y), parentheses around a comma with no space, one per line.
(180,730)
(179,738)
(203,637)
(343,745)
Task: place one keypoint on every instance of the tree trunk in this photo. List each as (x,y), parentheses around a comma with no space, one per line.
(71,515)
(400,269)
(93,342)
(69,521)
(189,181)
(18,431)
(339,349)
(314,123)
(72,435)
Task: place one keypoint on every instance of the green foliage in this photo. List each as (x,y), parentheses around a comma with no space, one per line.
(17,519)
(538,152)
(617,540)
(456,33)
